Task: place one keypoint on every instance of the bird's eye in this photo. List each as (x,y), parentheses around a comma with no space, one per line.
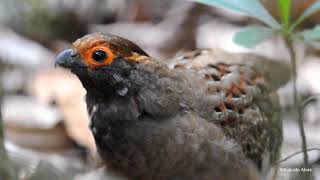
(99,55)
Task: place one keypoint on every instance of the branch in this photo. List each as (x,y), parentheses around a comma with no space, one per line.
(297,107)
(309,99)
(294,154)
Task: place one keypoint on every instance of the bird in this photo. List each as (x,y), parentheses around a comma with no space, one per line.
(188,117)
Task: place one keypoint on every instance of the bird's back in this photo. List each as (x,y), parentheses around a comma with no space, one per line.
(239,98)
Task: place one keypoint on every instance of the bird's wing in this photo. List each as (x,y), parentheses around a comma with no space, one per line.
(244,102)
(277,72)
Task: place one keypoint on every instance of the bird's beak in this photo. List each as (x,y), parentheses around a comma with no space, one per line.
(69,58)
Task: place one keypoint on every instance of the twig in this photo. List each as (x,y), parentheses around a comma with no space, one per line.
(296,153)
(309,99)
(296,99)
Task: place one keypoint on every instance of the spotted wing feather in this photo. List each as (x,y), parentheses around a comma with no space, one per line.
(245,103)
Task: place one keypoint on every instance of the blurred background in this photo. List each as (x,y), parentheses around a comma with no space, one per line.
(44,115)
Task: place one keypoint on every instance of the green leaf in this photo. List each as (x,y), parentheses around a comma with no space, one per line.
(285,11)
(252,35)
(251,7)
(312,35)
(221,4)
(314,44)
(311,10)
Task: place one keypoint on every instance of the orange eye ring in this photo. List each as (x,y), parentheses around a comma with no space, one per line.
(88,57)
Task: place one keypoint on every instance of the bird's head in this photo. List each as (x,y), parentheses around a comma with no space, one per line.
(102,61)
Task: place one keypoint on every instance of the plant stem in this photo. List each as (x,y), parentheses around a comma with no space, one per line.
(293,59)
(294,154)
(6,170)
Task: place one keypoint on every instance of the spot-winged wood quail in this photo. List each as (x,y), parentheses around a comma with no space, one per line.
(191,117)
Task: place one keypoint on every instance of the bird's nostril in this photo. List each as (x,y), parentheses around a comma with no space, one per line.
(73,54)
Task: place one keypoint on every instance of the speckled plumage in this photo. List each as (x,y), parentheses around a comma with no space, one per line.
(246,105)
(191,117)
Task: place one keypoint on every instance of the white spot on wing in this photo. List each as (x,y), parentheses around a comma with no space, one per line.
(94,110)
